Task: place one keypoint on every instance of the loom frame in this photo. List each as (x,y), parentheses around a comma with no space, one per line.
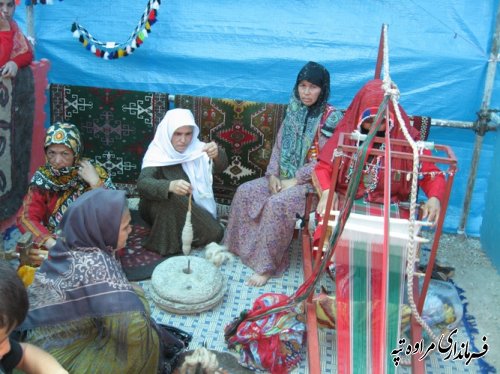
(311,262)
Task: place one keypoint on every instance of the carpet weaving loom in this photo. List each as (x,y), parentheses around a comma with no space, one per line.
(368,319)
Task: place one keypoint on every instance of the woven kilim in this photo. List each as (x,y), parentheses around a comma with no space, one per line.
(116,125)
(359,275)
(245,129)
(17,105)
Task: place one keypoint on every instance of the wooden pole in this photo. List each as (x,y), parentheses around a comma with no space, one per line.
(482,123)
(30,22)
(380,56)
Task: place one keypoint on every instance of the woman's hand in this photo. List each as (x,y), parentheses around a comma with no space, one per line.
(37,255)
(431,210)
(180,187)
(321,208)
(274,184)
(89,174)
(287,183)
(9,70)
(211,149)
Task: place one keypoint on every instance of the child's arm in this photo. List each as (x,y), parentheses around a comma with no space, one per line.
(37,361)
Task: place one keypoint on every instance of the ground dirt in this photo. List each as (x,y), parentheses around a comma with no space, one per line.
(480,280)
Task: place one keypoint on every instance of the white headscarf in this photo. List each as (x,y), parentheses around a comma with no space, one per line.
(196,163)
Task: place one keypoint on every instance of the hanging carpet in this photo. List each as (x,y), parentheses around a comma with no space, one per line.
(116,125)
(17,106)
(245,129)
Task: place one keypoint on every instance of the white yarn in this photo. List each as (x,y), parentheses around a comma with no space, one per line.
(217,253)
(203,359)
(187,234)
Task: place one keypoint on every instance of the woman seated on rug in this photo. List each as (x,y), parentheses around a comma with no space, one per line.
(57,184)
(263,211)
(15,49)
(360,116)
(83,310)
(176,165)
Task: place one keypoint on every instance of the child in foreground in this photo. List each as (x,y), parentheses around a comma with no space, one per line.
(13,308)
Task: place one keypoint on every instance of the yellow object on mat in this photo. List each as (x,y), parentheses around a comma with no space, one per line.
(27,274)
(325,310)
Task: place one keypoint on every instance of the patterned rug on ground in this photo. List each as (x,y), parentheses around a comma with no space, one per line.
(207,327)
(138,263)
(116,125)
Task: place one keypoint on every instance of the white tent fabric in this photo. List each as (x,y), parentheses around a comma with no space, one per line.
(439,51)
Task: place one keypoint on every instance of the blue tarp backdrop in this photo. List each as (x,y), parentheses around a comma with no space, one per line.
(438,50)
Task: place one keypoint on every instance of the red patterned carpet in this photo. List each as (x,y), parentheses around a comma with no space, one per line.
(138,263)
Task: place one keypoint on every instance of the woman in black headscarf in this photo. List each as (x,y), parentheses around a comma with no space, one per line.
(83,310)
(263,211)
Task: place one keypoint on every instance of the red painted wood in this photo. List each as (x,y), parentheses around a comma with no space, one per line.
(40,70)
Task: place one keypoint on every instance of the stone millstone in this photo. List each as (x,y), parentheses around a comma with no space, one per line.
(177,291)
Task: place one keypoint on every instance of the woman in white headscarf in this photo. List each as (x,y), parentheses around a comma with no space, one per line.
(176,165)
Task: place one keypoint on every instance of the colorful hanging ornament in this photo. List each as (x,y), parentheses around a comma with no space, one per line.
(35,2)
(114,50)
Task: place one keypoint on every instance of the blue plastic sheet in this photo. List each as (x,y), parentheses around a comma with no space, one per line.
(438,54)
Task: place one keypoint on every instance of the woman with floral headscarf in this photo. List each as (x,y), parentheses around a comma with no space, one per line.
(15,49)
(58,183)
(263,211)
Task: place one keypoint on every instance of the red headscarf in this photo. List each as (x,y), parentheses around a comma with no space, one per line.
(15,47)
(369,96)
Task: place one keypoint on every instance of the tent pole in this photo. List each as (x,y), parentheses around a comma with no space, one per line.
(380,55)
(30,22)
(481,126)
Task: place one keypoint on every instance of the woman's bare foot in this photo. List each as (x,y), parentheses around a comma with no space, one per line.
(258,280)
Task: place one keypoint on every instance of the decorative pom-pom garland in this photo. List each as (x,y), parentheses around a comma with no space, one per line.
(35,2)
(113,50)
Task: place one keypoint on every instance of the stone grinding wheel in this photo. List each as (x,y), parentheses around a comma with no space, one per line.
(177,290)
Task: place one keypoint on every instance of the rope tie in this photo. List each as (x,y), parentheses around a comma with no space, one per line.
(392,91)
